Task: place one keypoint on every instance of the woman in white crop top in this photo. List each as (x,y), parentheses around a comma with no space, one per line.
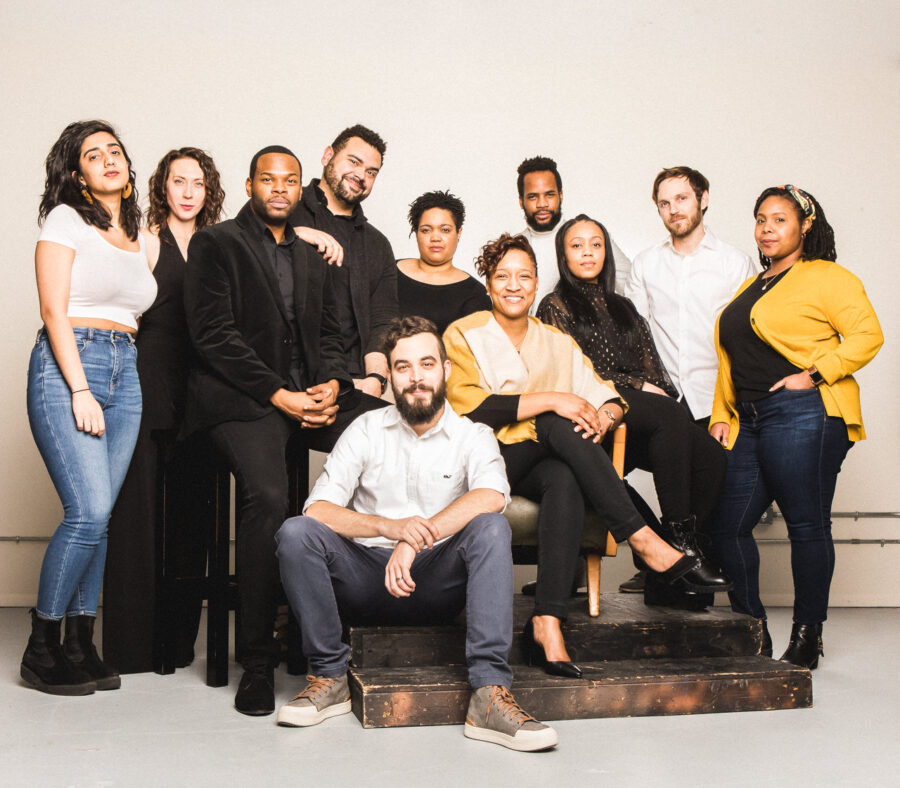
(84,399)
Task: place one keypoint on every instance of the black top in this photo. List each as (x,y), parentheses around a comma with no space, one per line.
(755,365)
(162,341)
(280,256)
(441,304)
(628,360)
(365,285)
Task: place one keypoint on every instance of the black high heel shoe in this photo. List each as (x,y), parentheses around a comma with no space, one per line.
(535,655)
(805,646)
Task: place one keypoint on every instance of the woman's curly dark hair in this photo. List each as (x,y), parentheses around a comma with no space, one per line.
(61,187)
(436,199)
(158,210)
(819,241)
(493,252)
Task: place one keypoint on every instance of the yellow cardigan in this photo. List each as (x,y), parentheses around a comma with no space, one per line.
(484,362)
(804,317)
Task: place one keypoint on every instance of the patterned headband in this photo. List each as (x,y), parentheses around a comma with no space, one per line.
(803,200)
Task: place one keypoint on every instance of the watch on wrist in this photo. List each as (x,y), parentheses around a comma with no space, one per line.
(815,376)
(380,378)
(609,414)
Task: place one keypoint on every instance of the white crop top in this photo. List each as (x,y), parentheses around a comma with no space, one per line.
(107,282)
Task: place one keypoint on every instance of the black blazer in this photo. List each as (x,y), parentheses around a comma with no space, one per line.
(239,327)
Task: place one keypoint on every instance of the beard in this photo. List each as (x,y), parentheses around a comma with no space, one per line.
(693,222)
(547,226)
(420,412)
(338,187)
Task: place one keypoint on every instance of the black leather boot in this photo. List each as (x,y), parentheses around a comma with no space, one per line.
(659,593)
(80,650)
(698,574)
(45,666)
(805,646)
(765,646)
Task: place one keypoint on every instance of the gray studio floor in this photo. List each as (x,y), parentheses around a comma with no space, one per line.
(174,730)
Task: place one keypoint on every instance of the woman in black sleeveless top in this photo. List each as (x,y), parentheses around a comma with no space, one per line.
(185,195)
(430,285)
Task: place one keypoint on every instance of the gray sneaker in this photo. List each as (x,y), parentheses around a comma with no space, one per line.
(323,698)
(495,716)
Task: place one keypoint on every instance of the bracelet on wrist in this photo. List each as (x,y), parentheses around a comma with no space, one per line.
(380,378)
(78,391)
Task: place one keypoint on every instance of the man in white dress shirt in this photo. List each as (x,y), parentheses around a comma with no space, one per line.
(540,197)
(681,285)
(404,527)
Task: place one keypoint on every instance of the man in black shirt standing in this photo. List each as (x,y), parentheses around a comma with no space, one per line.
(269,372)
(366,283)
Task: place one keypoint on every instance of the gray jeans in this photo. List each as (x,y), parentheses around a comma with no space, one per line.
(328,578)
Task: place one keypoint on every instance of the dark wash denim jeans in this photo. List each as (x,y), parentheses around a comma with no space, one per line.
(790,451)
(86,470)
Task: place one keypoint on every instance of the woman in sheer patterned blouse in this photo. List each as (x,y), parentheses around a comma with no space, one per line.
(687,464)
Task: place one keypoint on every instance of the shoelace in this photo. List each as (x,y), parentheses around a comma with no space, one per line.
(317,686)
(507,705)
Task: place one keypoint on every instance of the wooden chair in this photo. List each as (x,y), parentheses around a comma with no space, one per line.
(596,541)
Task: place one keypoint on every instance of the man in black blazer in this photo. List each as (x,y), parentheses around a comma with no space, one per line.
(270,369)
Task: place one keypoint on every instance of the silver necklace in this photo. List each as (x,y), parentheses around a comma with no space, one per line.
(768,281)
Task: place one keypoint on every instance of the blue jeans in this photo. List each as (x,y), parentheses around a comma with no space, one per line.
(328,578)
(86,470)
(790,451)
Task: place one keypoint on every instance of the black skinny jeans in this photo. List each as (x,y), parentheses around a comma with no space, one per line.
(687,463)
(560,471)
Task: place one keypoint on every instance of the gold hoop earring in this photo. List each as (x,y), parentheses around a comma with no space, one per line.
(126,192)
(87,196)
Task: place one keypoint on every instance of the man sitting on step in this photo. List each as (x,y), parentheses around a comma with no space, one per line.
(404,527)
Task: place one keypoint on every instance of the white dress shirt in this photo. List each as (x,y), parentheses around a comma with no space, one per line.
(681,297)
(379,466)
(544,245)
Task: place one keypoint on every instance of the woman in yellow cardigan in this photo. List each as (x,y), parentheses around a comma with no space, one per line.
(787,406)
(549,409)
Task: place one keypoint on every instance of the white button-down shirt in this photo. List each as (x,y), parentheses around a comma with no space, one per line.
(379,466)
(544,245)
(681,297)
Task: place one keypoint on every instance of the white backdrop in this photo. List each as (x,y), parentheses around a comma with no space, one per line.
(750,94)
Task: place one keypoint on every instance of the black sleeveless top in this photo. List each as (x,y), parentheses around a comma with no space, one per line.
(441,304)
(162,341)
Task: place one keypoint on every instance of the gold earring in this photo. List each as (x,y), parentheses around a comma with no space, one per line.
(87,196)
(126,192)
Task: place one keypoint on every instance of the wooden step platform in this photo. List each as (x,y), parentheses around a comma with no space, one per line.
(625,629)
(637,661)
(432,695)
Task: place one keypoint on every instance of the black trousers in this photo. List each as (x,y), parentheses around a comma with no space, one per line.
(687,463)
(257,454)
(131,618)
(560,471)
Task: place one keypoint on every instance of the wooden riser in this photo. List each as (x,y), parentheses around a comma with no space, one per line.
(392,697)
(625,629)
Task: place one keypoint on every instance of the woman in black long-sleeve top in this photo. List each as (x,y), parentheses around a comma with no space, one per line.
(687,464)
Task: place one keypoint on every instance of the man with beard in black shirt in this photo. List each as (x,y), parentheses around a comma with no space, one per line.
(366,282)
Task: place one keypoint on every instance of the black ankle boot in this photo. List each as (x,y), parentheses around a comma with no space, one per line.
(805,646)
(45,666)
(659,593)
(697,573)
(765,646)
(80,650)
